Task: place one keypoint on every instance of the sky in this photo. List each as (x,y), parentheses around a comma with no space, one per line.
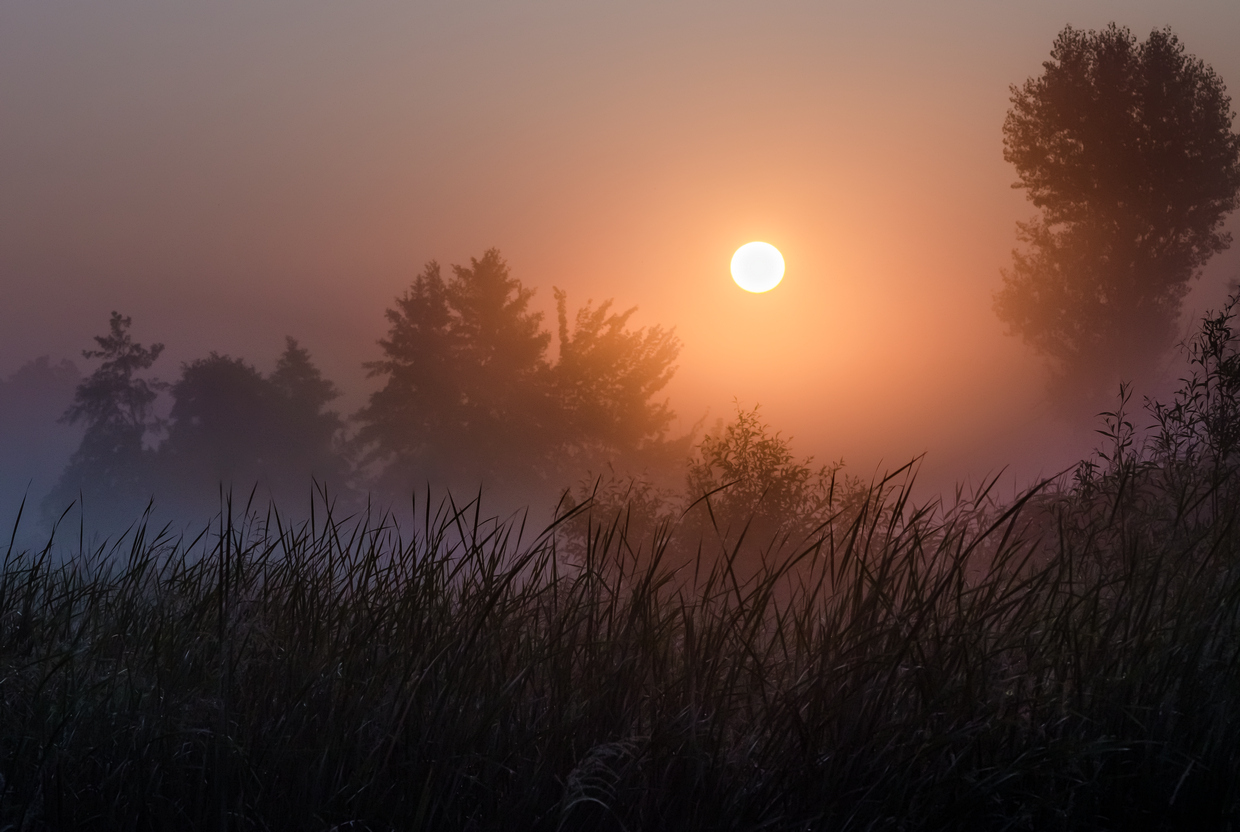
(228,173)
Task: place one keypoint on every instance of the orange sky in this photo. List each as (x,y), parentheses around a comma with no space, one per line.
(230,172)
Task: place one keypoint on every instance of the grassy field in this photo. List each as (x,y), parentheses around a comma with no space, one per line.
(1068,661)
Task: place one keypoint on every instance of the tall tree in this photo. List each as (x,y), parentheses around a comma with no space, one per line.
(404,420)
(466,396)
(231,425)
(115,404)
(309,439)
(219,427)
(470,397)
(502,369)
(605,380)
(1128,150)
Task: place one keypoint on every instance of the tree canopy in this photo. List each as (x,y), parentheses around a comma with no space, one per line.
(471,397)
(750,481)
(228,425)
(115,404)
(231,425)
(466,381)
(606,379)
(1127,149)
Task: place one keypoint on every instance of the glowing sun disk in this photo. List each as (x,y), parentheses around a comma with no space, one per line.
(757,267)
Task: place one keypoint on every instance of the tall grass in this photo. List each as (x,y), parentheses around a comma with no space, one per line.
(1070,661)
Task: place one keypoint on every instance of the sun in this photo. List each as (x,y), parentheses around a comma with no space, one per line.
(757,267)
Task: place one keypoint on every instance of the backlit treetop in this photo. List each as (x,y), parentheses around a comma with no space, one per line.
(1127,148)
(607,376)
(470,396)
(115,404)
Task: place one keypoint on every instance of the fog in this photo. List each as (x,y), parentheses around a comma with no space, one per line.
(230,174)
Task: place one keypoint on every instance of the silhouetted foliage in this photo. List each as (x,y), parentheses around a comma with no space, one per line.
(1181,469)
(231,426)
(310,436)
(1127,148)
(1193,445)
(218,428)
(750,482)
(113,397)
(605,380)
(1201,424)
(629,511)
(115,405)
(745,498)
(467,389)
(417,400)
(36,381)
(228,426)
(470,397)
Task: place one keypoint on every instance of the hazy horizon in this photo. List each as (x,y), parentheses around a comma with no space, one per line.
(228,175)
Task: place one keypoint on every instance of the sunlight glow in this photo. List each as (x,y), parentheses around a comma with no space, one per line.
(757,267)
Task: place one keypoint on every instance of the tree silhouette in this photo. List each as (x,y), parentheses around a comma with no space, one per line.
(469,396)
(751,479)
(467,386)
(401,422)
(605,379)
(219,430)
(115,405)
(308,439)
(1127,149)
(230,425)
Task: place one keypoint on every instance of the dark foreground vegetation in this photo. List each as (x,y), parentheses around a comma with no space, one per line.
(927,672)
(1069,661)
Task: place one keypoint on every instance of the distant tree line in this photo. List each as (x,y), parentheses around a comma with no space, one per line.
(228,425)
(470,399)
